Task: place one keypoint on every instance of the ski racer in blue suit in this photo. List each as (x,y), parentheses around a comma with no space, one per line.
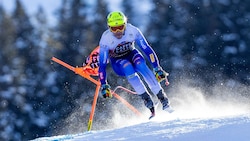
(117,45)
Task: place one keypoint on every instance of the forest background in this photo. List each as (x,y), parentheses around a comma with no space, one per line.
(200,43)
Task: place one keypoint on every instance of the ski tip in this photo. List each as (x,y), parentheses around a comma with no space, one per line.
(152,115)
(169,109)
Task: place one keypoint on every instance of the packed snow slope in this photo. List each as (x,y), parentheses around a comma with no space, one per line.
(235,128)
(224,116)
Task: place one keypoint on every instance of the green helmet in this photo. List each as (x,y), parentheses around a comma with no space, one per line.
(116,18)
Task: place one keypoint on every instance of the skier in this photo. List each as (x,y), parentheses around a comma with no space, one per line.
(117,44)
(91,64)
(93,59)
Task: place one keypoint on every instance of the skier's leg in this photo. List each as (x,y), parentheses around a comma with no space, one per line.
(124,68)
(148,103)
(164,101)
(128,71)
(150,79)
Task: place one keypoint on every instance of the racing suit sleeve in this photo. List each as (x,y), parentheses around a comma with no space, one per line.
(103,60)
(147,49)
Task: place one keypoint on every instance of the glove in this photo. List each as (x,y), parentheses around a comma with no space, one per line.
(105,90)
(160,74)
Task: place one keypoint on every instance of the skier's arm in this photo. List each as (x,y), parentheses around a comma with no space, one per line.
(160,74)
(103,59)
(147,49)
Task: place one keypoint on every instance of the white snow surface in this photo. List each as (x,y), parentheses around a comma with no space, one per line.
(224,116)
(171,127)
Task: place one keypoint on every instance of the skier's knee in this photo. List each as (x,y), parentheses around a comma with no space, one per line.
(131,76)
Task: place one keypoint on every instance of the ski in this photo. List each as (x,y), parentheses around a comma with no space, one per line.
(153,115)
(168,108)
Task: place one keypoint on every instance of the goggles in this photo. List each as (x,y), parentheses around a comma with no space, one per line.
(117,28)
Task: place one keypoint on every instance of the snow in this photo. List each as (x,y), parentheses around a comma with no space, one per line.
(197,117)
(170,127)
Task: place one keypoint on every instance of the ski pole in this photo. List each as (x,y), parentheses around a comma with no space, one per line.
(63,63)
(93,107)
(127,90)
(166,79)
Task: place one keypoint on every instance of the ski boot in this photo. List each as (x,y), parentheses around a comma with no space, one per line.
(148,103)
(164,101)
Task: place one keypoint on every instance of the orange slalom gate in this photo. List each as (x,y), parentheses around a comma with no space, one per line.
(87,72)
